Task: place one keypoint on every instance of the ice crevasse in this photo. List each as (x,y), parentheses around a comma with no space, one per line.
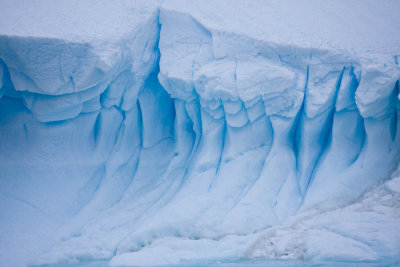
(126,123)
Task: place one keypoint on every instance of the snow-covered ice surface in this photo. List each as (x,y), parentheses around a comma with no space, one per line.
(156,132)
(365,229)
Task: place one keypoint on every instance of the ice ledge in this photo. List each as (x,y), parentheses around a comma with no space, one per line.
(217,66)
(223,65)
(59,79)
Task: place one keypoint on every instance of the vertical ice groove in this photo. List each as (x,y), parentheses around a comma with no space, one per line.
(139,132)
(193,110)
(87,193)
(2,78)
(346,135)
(393,125)
(184,148)
(261,127)
(96,130)
(317,121)
(328,126)
(157,111)
(297,130)
(211,143)
(221,153)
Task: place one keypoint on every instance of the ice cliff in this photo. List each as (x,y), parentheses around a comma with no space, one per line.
(126,123)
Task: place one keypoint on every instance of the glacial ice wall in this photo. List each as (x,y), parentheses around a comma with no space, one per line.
(175,127)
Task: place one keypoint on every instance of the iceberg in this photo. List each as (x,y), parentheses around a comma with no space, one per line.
(198,131)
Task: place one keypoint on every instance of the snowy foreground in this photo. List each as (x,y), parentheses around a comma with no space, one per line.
(154,132)
(364,230)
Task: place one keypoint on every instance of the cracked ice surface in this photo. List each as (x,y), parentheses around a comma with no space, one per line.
(153,127)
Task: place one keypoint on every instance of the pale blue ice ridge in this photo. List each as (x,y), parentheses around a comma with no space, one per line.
(178,129)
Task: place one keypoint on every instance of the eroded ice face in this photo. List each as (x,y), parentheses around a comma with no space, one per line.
(135,123)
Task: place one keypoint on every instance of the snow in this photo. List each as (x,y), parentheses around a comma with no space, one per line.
(198,130)
(337,25)
(88,21)
(175,250)
(359,231)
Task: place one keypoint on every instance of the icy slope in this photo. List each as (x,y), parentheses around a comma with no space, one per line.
(126,123)
(367,229)
(362,231)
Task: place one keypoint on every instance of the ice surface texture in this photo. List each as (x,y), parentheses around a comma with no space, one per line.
(123,124)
